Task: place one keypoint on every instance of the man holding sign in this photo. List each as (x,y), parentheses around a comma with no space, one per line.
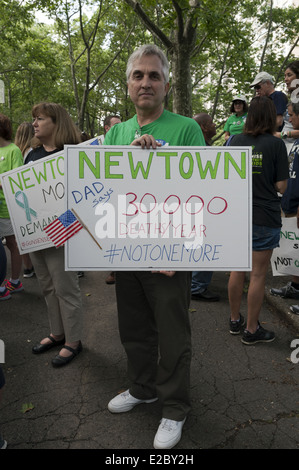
(153,307)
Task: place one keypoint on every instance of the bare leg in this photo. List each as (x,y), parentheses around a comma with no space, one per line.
(256,290)
(16,259)
(27,261)
(235,293)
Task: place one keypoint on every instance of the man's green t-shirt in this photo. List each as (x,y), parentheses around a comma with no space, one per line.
(169,129)
(10,158)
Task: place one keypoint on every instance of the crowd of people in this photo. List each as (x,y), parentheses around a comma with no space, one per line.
(153,308)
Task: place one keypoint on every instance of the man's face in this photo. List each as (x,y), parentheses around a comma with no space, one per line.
(210,128)
(113,121)
(294,119)
(146,85)
(262,89)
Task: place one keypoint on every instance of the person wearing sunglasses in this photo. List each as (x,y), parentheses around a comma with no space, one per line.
(263,85)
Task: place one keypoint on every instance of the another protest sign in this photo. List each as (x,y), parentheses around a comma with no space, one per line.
(285,258)
(35,197)
(34,194)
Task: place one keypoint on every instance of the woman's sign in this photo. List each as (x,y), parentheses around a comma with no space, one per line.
(285,258)
(35,196)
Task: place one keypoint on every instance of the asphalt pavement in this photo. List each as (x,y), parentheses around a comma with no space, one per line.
(243,397)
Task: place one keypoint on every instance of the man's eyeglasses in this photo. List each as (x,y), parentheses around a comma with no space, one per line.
(257,87)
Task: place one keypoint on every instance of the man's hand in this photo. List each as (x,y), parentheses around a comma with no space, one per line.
(166,273)
(146,141)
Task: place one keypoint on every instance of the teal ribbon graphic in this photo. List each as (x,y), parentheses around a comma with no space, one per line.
(22,201)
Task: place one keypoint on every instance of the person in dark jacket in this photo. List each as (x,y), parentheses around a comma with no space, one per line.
(290,204)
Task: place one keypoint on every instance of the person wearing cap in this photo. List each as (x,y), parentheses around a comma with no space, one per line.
(263,85)
(235,123)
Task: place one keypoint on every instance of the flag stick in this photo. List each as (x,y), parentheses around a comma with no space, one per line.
(84,226)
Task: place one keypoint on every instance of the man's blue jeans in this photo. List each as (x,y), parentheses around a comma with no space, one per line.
(200,281)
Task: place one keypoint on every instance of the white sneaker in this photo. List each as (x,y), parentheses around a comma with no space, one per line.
(169,433)
(125,402)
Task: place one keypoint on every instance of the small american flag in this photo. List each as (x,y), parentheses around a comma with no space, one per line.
(63,228)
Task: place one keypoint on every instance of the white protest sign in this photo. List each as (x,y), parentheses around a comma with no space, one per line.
(178,208)
(285,258)
(34,194)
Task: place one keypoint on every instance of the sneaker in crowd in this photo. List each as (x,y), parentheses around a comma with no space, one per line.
(287,291)
(29,272)
(260,336)
(169,433)
(14,287)
(295,309)
(5,295)
(125,402)
(235,326)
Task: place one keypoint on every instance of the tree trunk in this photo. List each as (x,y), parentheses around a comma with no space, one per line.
(181,80)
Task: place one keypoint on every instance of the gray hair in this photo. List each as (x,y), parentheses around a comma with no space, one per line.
(295,106)
(148,49)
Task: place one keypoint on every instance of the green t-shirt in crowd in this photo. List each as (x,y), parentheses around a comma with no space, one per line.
(235,124)
(10,158)
(169,129)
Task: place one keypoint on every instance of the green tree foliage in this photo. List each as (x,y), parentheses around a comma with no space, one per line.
(215,48)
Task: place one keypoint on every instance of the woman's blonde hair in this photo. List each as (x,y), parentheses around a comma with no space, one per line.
(65,131)
(24,136)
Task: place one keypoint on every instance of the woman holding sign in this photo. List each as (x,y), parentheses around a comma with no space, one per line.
(53,128)
(269,176)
